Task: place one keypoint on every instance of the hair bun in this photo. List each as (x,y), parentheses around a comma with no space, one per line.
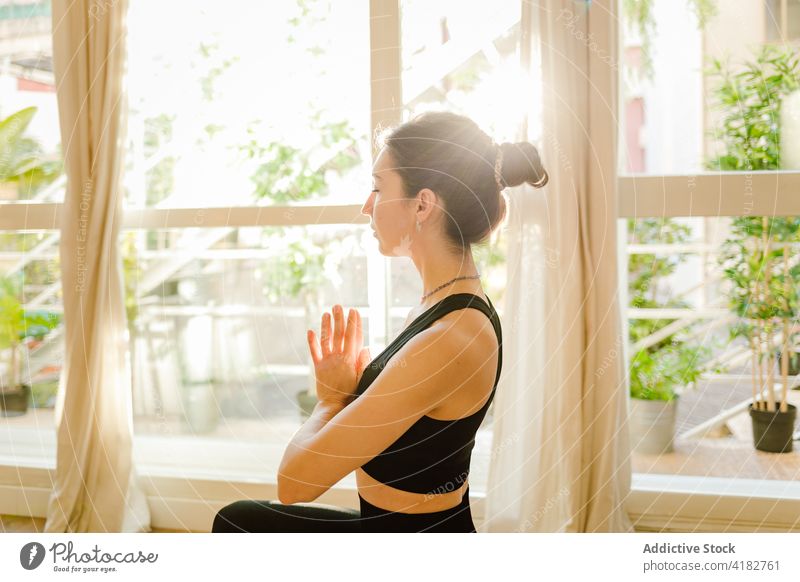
(521,164)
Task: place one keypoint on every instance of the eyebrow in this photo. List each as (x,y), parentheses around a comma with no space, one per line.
(376,176)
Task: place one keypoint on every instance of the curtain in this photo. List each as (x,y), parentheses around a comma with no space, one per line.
(95,487)
(560,453)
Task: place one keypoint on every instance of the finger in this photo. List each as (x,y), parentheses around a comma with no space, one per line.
(364,358)
(338,330)
(350,346)
(359,331)
(325,332)
(316,356)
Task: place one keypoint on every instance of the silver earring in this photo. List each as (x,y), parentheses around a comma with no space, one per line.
(419,226)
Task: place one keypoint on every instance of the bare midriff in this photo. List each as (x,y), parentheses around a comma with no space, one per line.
(391,499)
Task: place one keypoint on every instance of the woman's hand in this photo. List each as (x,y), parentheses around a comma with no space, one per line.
(339,359)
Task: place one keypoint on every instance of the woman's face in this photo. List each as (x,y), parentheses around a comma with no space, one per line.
(391,213)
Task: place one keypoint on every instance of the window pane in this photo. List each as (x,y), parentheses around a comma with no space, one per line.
(219,319)
(692,292)
(466,61)
(251,104)
(31,343)
(680,115)
(31,168)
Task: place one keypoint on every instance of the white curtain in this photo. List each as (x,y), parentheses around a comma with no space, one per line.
(95,488)
(560,454)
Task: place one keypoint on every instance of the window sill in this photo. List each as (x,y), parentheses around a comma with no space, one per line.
(184,493)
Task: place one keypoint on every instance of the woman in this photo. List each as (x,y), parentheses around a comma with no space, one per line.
(405,421)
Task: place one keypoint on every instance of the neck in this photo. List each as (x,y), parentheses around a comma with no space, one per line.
(439,267)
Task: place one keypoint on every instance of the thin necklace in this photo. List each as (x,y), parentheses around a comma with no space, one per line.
(446,284)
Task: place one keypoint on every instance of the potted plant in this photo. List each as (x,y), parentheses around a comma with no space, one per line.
(765,298)
(756,255)
(660,369)
(16,327)
(658,378)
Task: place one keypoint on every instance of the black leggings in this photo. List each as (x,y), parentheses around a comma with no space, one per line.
(270,516)
(253,516)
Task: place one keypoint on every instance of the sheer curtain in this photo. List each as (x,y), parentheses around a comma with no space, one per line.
(95,488)
(560,454)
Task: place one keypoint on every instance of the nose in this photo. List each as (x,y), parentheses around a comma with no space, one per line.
(367,208)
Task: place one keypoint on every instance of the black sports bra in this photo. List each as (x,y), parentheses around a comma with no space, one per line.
(433,455)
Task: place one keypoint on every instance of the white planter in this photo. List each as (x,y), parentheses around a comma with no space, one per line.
(652,425)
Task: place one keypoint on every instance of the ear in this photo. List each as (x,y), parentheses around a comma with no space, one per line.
(426,202)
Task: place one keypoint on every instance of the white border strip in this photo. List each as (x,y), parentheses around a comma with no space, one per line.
(762,193)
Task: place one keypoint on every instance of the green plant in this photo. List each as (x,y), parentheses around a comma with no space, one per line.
(763,295)
(750,100)
(18,324)
(658,371)
(755,256)
(656,374)
(23,164)
(285,173)
(22,161)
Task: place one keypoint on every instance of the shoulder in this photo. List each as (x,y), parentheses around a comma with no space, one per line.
(440,348)
(452,349)
(420,374)
(468,325)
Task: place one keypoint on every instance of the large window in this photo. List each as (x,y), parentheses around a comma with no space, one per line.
(722,98)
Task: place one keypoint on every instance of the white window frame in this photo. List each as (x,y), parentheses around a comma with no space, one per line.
(183,500)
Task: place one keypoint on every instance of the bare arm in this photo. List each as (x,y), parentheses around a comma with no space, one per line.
(322,414)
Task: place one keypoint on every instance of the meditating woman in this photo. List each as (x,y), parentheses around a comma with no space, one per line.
(406,421)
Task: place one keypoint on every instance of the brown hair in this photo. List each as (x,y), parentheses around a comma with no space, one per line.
(452,156)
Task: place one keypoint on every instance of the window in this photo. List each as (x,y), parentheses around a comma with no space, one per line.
(684,188)
(31,179)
